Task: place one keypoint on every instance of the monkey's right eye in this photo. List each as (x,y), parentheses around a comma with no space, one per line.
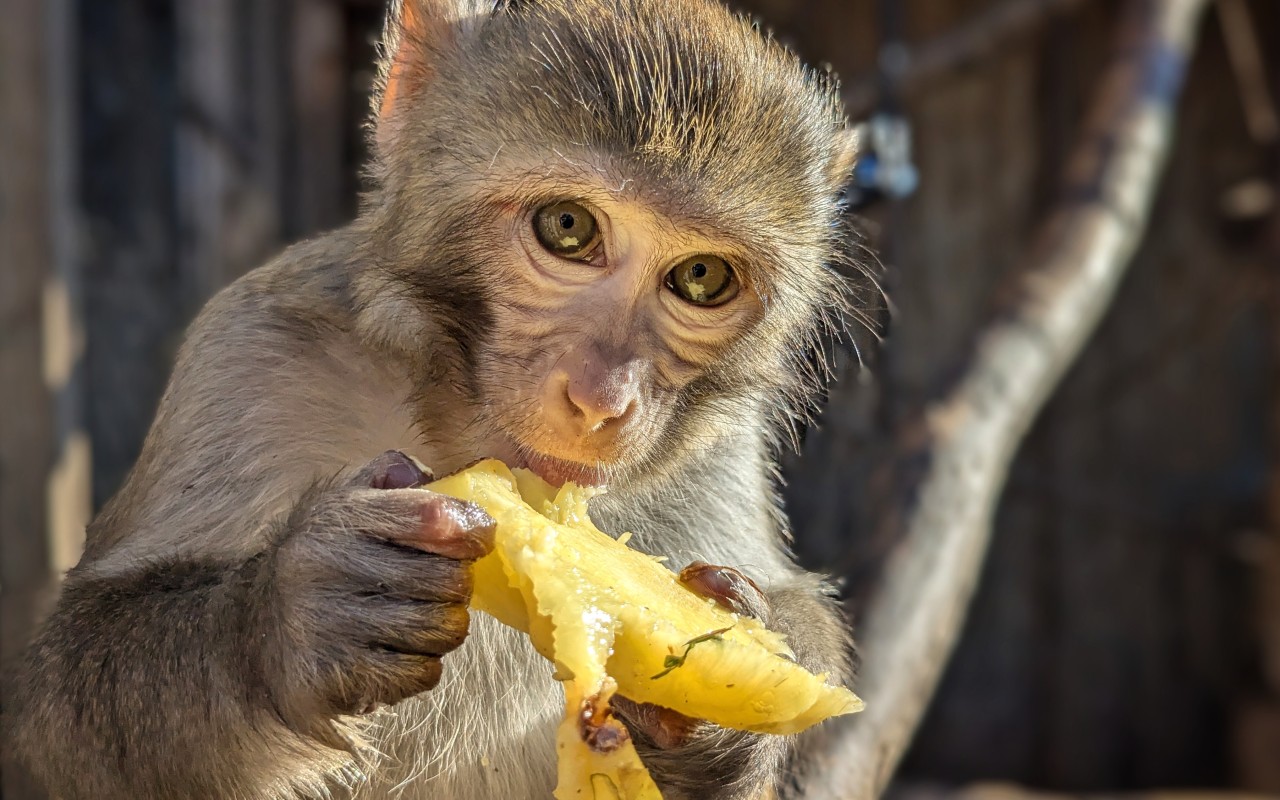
(567,229)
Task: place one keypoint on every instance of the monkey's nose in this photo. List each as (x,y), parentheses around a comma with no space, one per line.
(594,404)
(588,391)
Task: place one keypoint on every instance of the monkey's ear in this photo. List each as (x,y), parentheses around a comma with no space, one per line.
(416,34)
(851,141)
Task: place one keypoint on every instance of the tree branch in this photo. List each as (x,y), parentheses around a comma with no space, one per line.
(968,437)
(915,66)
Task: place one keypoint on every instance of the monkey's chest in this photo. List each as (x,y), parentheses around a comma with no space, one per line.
(486,731)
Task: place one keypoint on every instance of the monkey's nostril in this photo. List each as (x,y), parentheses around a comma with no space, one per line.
(576,411)
(595,408)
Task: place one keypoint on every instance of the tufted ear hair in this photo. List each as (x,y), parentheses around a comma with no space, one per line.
(851,141)
(416,35)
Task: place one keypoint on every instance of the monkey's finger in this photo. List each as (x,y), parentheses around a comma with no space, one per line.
(728,587)
(421,629)
(386,677)
(414,518)
(454,528)
(375,566)
(392,470)
(665,728)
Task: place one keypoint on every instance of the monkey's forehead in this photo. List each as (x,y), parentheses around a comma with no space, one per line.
(683,92)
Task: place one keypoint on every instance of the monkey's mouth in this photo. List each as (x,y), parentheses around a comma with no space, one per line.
(553,470)
(558,471)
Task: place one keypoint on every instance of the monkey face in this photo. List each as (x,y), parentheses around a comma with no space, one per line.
(607,312)
(595,330)
(609,227)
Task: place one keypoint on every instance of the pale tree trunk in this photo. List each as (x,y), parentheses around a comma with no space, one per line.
(969,435)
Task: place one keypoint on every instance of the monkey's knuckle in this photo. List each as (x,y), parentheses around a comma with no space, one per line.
(453,622)
(418,676)
(318,616)
(460,583)
(434,578)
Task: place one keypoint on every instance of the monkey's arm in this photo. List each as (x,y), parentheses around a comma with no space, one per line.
(735,525)
(199,679)
(147,684)
(816,626)
(694,760)
(239,597)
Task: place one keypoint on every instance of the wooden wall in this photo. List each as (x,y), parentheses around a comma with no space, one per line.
(211,134)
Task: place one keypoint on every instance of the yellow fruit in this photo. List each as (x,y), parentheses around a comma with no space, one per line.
(613,619)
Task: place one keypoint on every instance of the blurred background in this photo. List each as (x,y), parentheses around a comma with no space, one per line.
(1126,633)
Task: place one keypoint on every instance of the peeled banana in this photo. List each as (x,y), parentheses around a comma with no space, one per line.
(612,619)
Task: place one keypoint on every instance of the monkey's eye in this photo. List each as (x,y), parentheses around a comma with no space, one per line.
(567,229)
(704,280)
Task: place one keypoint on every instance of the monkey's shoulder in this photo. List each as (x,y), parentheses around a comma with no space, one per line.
(305,291)
(270,373)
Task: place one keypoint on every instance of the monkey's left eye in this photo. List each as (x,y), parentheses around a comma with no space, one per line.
(567,229)
(704,280)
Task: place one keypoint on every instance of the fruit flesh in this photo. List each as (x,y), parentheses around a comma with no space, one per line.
(613,619)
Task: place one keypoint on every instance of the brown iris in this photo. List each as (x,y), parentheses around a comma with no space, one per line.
(567,229)
(703,280)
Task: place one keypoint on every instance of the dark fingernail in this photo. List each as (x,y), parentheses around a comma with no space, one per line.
(428,474)
(456,529)
(395,470)
(404,476)
(728,587)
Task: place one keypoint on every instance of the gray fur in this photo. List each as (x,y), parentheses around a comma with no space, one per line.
(252,620)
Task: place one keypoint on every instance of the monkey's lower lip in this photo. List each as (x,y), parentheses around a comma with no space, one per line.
(558,471)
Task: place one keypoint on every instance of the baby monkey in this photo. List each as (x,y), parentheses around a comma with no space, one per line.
(601,243)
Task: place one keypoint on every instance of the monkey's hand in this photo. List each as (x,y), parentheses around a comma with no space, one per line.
(691,758)
(367,588)
(191,676)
